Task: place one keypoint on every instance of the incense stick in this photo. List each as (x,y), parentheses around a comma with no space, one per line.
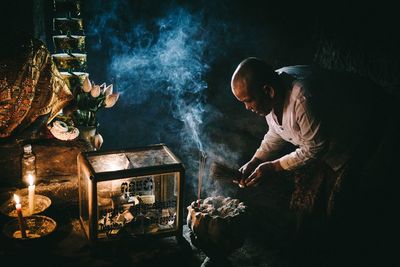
(202,164)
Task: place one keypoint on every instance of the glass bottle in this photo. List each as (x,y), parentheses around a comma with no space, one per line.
(28,164)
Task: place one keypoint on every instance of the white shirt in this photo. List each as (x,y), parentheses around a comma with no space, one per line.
(299,126)
(330,138)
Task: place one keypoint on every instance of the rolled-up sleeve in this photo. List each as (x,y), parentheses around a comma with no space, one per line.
(313,143)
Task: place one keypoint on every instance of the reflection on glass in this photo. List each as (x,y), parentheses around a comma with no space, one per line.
(110,162)
(131,160)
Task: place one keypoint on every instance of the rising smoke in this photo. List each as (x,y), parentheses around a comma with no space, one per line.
(159,65)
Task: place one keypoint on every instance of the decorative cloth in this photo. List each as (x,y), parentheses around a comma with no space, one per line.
(30,86)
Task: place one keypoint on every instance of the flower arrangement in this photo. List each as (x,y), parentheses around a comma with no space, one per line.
(81,112)
(89,100)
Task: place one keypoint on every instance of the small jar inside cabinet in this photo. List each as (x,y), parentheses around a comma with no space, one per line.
(134,192)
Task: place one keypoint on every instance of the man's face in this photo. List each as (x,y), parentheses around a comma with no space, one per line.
(256,100)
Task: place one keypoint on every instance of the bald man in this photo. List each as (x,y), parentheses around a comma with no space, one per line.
(316,111)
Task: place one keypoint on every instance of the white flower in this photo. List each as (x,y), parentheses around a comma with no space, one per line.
(102,87)
(108,90)
(95,91)
(87,86)
(111,100)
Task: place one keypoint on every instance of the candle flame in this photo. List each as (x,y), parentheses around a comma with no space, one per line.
(16,199)
(30,179)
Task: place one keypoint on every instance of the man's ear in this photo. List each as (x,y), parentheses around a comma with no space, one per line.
(269,91)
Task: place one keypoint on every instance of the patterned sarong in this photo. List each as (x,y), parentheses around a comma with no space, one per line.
(315,190)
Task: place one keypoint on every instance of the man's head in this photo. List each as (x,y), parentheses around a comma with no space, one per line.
(254,83)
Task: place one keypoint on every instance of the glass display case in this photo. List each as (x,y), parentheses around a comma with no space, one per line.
(134,192)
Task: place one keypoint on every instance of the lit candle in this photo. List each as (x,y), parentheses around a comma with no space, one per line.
(31,194)
(20,218)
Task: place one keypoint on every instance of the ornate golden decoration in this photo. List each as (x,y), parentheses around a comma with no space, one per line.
(30,87)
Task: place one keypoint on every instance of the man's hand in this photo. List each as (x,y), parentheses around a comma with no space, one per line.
(268,168)
(249,167)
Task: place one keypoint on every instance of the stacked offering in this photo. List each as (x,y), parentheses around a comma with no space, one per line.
(69,43)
